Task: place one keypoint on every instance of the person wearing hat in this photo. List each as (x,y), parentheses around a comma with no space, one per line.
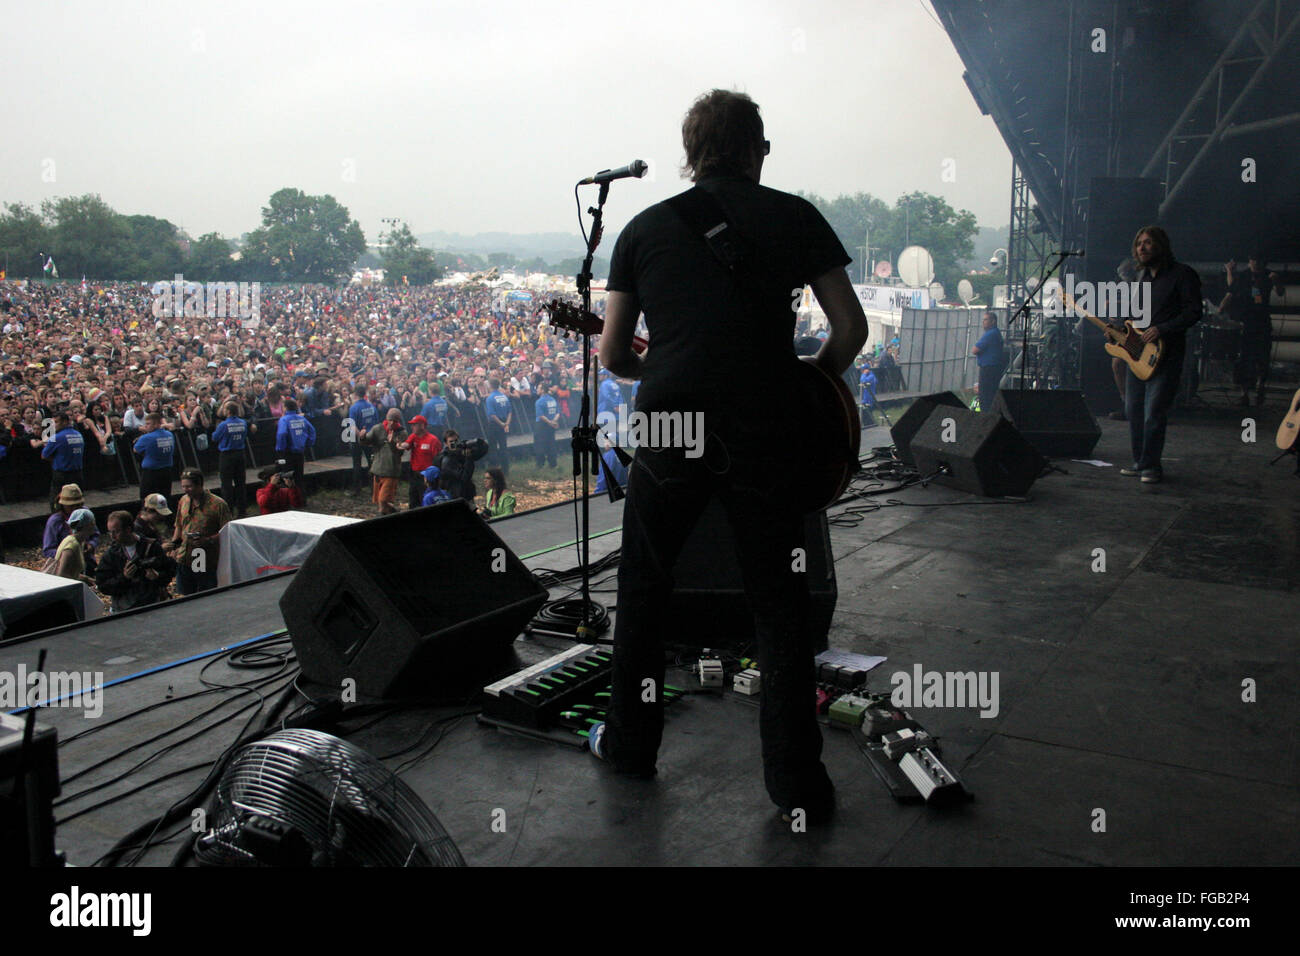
(70,557)
(433,490)
(65,452)
(153,519)
(386,466)
(57,527)
(425,447)
(279,492)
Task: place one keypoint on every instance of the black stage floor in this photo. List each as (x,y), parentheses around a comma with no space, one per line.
(1121,738)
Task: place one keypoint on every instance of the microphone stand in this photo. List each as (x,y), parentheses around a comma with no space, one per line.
(1061,256)
(586,452)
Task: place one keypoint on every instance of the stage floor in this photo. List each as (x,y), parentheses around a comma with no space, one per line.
(1119,690)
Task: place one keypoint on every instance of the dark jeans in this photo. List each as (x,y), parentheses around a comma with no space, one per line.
(358,476)
(990,376)
(192,582)
(544,445)
(155,481)
(499,449)
(1147,405)
(666,494)
(296,460)
(234,492)
(415,493)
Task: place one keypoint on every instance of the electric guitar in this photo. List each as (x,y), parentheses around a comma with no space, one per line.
(833,429)
(1142,358)
(1286,432)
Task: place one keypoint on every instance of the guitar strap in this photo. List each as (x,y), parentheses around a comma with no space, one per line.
(702,212)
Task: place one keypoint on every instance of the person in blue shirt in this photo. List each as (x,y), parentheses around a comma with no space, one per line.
(610,395)
(435,412)
(292,439)
(364,417)
(991,357)
(616,467)
(65,452)
(231,437)
(546,423)
(157,448)
(498,410)
(867,382)
(433,490)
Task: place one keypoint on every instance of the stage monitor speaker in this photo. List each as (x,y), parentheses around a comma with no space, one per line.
(26,804)
(1118,206)
(1057,422)
(709,608)
(979,454)
(408,602)
(905,430)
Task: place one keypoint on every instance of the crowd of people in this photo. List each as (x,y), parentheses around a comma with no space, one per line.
(86,369)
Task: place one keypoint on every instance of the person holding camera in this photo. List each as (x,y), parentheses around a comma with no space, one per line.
(200,516)
(456,465)
(134,571)
(279,492)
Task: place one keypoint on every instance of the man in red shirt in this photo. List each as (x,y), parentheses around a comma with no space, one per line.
(279,492)
(425,447)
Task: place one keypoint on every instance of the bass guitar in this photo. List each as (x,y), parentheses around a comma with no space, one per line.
(1142,358)
(834,424)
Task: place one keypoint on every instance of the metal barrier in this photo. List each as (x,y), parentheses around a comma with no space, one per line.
(935,349)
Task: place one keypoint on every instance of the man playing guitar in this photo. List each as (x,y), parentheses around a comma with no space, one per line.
(1174,301)
(721,339)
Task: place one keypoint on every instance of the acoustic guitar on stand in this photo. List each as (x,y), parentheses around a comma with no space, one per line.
(1286,432)
(834,422)
(1142,358)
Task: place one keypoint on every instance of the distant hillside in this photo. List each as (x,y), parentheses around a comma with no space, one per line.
(551,246)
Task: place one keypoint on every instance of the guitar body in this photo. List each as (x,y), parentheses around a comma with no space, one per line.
(834,429)
(1290,427)
(1142,358)
(835,436)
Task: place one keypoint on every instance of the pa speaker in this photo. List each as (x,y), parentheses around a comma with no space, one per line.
(709,608)
(906,428)
(408,602)
(979,454)
(1117,208)
(1057,422)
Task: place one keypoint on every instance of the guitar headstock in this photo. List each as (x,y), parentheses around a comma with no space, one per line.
(572,318)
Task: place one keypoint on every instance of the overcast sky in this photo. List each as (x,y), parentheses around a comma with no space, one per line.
(473,116)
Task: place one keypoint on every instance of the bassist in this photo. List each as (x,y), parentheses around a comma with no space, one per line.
(721,344)
(1173,297)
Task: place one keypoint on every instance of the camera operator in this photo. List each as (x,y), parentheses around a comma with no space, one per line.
(279,492)
(134,571)
(456,465)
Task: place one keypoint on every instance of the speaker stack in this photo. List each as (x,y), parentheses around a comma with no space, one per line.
(905,430)
(409,602)
(1056,422)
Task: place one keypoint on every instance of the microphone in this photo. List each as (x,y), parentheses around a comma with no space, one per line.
(1066,253)
(636,168)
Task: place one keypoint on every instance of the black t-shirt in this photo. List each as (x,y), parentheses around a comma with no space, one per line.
(715,346)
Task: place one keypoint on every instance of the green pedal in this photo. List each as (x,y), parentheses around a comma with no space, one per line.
(848,710)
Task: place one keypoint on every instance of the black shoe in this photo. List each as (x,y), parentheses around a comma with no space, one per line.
(1152,476)
(1131,472)
(816,813)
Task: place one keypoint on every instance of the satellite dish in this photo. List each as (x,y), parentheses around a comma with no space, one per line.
(965,291)
(883,269)
(916,266)
(936,292)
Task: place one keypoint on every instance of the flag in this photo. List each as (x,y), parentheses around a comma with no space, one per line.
(83,283)
(50,268)
(3,273)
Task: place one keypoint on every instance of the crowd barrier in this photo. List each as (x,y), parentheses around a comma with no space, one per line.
(25,476)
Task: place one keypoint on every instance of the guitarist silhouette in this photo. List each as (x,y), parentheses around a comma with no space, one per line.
(717,272)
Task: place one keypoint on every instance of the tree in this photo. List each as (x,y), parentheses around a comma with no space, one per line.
(209,260)
(87,237)
(405,257)
(152,250)
(23,236)
(304,238)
